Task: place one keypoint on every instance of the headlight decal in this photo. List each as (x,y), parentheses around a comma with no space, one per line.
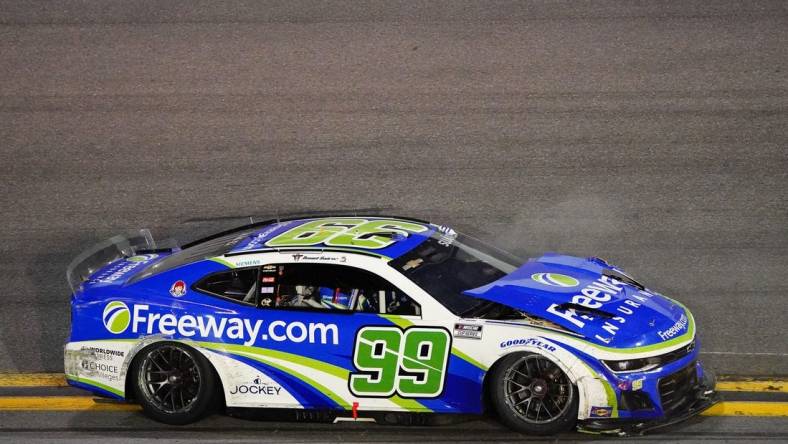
(650,363)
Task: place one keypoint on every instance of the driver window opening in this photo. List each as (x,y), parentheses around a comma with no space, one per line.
(331,288)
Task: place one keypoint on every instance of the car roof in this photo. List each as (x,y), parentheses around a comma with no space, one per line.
(391,236)
(386,237)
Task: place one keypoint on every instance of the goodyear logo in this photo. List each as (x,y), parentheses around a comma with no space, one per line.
(116,317)
(555,280)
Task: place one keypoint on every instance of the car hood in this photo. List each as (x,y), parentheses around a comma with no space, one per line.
(583,295)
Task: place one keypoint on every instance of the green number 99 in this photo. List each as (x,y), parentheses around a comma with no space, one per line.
(412,364)
(424,358)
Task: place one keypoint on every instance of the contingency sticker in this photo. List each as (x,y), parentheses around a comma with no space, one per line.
(470,331)
(601,412)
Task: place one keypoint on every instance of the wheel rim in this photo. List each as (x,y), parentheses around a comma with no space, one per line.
(170,378)
(537,390)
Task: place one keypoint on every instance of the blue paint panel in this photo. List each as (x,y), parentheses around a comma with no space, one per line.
(634,318)
(462,392)
(119,271)
(195,304)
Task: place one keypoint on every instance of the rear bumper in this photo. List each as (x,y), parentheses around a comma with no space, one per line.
(701,397)
(98,366)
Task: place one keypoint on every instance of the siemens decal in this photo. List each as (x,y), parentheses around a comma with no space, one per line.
(143,321)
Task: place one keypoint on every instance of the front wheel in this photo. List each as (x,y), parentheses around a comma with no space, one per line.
(531,394)
(174,384)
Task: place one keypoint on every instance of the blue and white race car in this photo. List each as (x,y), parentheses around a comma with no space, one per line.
(357,317)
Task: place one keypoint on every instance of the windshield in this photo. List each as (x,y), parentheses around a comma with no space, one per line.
(449,263)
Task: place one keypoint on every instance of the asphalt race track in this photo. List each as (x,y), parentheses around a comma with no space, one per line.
(652,134)
(102,426)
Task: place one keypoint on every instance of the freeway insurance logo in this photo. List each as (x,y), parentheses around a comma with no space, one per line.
(116,317)
(555,279)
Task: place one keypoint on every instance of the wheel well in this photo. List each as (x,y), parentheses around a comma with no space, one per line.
(129,391)
(486,401)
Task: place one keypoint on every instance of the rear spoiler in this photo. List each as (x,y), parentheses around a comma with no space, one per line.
(112,249)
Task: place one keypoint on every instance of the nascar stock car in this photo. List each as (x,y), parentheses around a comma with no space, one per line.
(353,317)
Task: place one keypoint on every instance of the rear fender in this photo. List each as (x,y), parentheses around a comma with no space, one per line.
(218,364)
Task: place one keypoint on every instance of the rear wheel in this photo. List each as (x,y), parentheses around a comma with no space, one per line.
(531,394)
(174,384)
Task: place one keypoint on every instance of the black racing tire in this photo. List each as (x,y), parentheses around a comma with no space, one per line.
(532,395)
(175,384)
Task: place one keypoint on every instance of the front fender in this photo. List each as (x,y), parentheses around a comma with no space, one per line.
(594,392)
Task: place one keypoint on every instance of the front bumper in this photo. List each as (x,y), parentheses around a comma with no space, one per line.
(701,397)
